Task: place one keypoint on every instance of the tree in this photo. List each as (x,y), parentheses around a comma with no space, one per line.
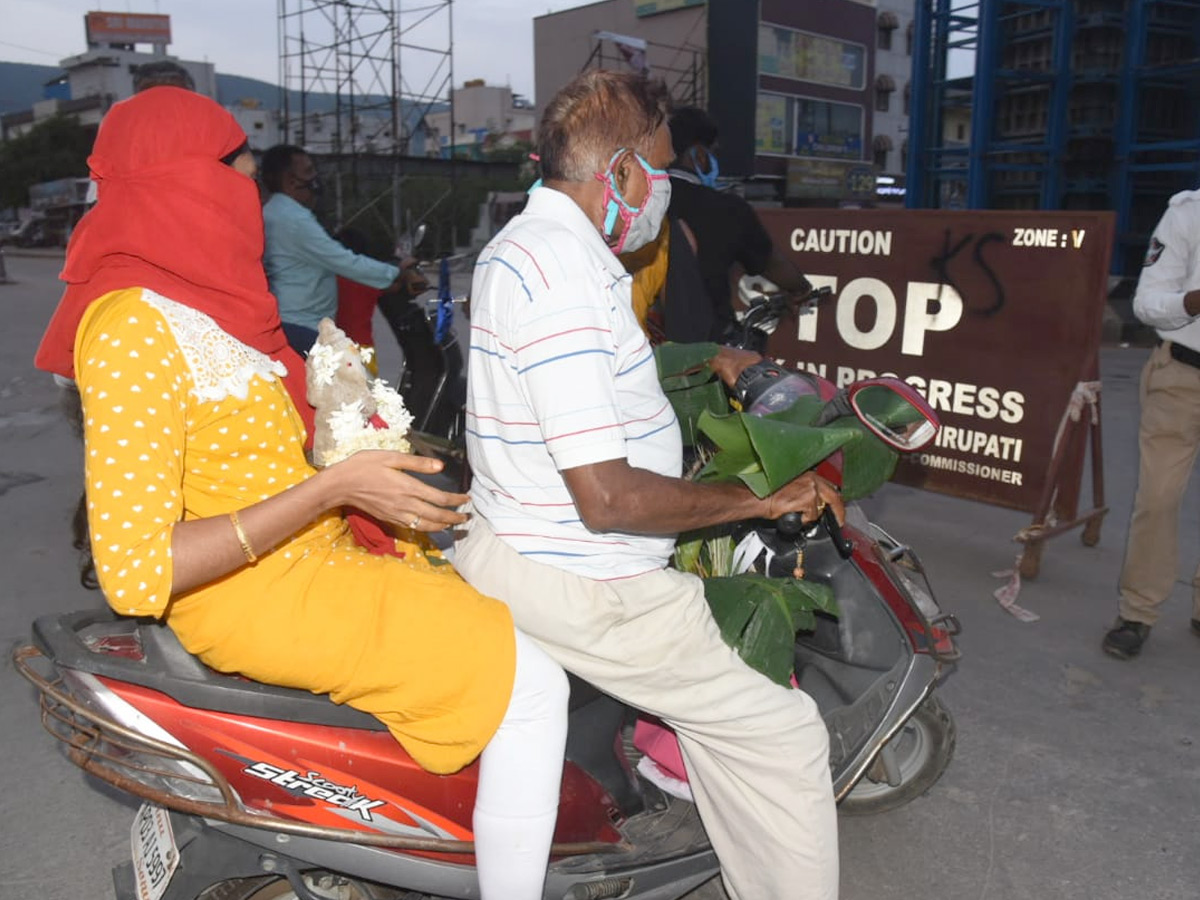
(57,147)
(517,151)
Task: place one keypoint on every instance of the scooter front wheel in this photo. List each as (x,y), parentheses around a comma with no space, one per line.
(909,764)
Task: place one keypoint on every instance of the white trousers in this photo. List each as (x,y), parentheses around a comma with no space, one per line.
(520,771)
(757,753)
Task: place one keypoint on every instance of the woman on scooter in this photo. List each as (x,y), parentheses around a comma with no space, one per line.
(204,511)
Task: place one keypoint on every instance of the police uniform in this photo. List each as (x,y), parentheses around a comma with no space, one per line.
(1169,434)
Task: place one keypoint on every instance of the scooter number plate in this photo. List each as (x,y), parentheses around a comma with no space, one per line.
(155,855)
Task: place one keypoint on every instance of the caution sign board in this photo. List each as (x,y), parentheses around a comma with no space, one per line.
(994,316)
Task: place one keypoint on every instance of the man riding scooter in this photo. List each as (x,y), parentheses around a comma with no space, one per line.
(301,259)
(578,497)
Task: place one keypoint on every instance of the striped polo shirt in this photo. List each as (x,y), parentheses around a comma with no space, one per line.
(560,376)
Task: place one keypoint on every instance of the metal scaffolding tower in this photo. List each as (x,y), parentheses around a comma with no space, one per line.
(359,76)
(682,68)
(1075,104)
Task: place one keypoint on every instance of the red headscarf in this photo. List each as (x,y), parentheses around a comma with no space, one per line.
(172,217)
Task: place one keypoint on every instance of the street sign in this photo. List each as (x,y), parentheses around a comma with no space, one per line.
(994,316)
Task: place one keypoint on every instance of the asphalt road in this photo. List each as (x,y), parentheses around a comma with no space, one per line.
(1077,777)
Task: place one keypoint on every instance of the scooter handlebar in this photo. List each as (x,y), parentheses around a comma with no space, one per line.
(791,525)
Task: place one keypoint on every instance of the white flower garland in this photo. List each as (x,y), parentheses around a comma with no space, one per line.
(351,429)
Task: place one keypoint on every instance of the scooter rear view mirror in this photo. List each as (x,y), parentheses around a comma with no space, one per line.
(894,412)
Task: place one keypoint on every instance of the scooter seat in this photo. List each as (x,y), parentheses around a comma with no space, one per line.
(147,653)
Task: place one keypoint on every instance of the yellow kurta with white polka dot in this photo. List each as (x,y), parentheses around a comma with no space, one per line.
(405,640)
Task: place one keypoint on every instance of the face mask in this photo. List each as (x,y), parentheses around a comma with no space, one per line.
(641,224)
(708,178)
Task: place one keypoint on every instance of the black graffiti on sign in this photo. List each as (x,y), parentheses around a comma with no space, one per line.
(941,265)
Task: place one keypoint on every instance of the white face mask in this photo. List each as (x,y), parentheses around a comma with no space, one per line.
(641,224)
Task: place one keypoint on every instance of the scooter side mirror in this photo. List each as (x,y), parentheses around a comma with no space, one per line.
(407,244)
(894,412)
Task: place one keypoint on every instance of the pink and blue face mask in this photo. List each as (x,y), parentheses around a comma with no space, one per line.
(641,223)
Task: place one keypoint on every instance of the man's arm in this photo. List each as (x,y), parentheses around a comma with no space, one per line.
(784,273)
(321,249)
(615,496)
(759,256)
(1162,300)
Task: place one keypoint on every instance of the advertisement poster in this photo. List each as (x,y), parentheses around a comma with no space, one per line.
(771,127)
(821,179)
(788,53)
(828,129)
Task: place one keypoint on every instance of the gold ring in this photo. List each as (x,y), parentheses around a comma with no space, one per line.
(821,504)
(415,522)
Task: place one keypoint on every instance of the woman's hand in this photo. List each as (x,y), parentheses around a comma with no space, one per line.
(377,482)
(808,495)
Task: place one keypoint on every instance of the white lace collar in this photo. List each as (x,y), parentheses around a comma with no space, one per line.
(221,365)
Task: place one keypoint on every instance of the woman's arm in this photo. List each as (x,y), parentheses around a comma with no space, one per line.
(375,481)
(136,403)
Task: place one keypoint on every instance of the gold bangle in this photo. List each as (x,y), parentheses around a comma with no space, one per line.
(251,557)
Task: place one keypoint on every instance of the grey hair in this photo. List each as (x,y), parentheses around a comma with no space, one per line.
(595,115)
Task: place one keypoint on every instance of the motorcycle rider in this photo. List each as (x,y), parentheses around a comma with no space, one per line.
(577,493)
(301,259)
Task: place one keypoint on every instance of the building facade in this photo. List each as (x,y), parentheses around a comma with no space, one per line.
(793,84)
(894,35)
(485,116)
(666,41)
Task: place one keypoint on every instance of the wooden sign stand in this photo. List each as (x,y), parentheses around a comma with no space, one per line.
(1058,509)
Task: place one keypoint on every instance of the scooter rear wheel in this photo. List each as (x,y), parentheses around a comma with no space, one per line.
(922,750)
(240,889)
(272,888)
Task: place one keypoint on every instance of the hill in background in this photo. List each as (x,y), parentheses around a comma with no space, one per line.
(21,86)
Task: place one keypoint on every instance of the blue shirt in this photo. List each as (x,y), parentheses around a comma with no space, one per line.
(302,261)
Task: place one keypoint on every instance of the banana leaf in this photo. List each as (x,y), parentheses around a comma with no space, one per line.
(766,453)
(690,384)
(759,617)
(867,462)
(684,365)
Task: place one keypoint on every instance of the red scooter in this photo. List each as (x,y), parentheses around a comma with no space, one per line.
(254,792)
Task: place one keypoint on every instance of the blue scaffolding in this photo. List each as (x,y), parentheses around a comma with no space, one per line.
(1074,104)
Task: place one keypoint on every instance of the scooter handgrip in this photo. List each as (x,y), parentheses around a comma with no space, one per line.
(789,525)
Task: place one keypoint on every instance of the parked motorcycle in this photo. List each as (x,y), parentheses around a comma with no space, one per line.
(433,379)
(254,792)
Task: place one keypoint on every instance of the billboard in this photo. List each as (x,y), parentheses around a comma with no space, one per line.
(823,179)
(788,53)
(805,126)
(994,316)
(127,28)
